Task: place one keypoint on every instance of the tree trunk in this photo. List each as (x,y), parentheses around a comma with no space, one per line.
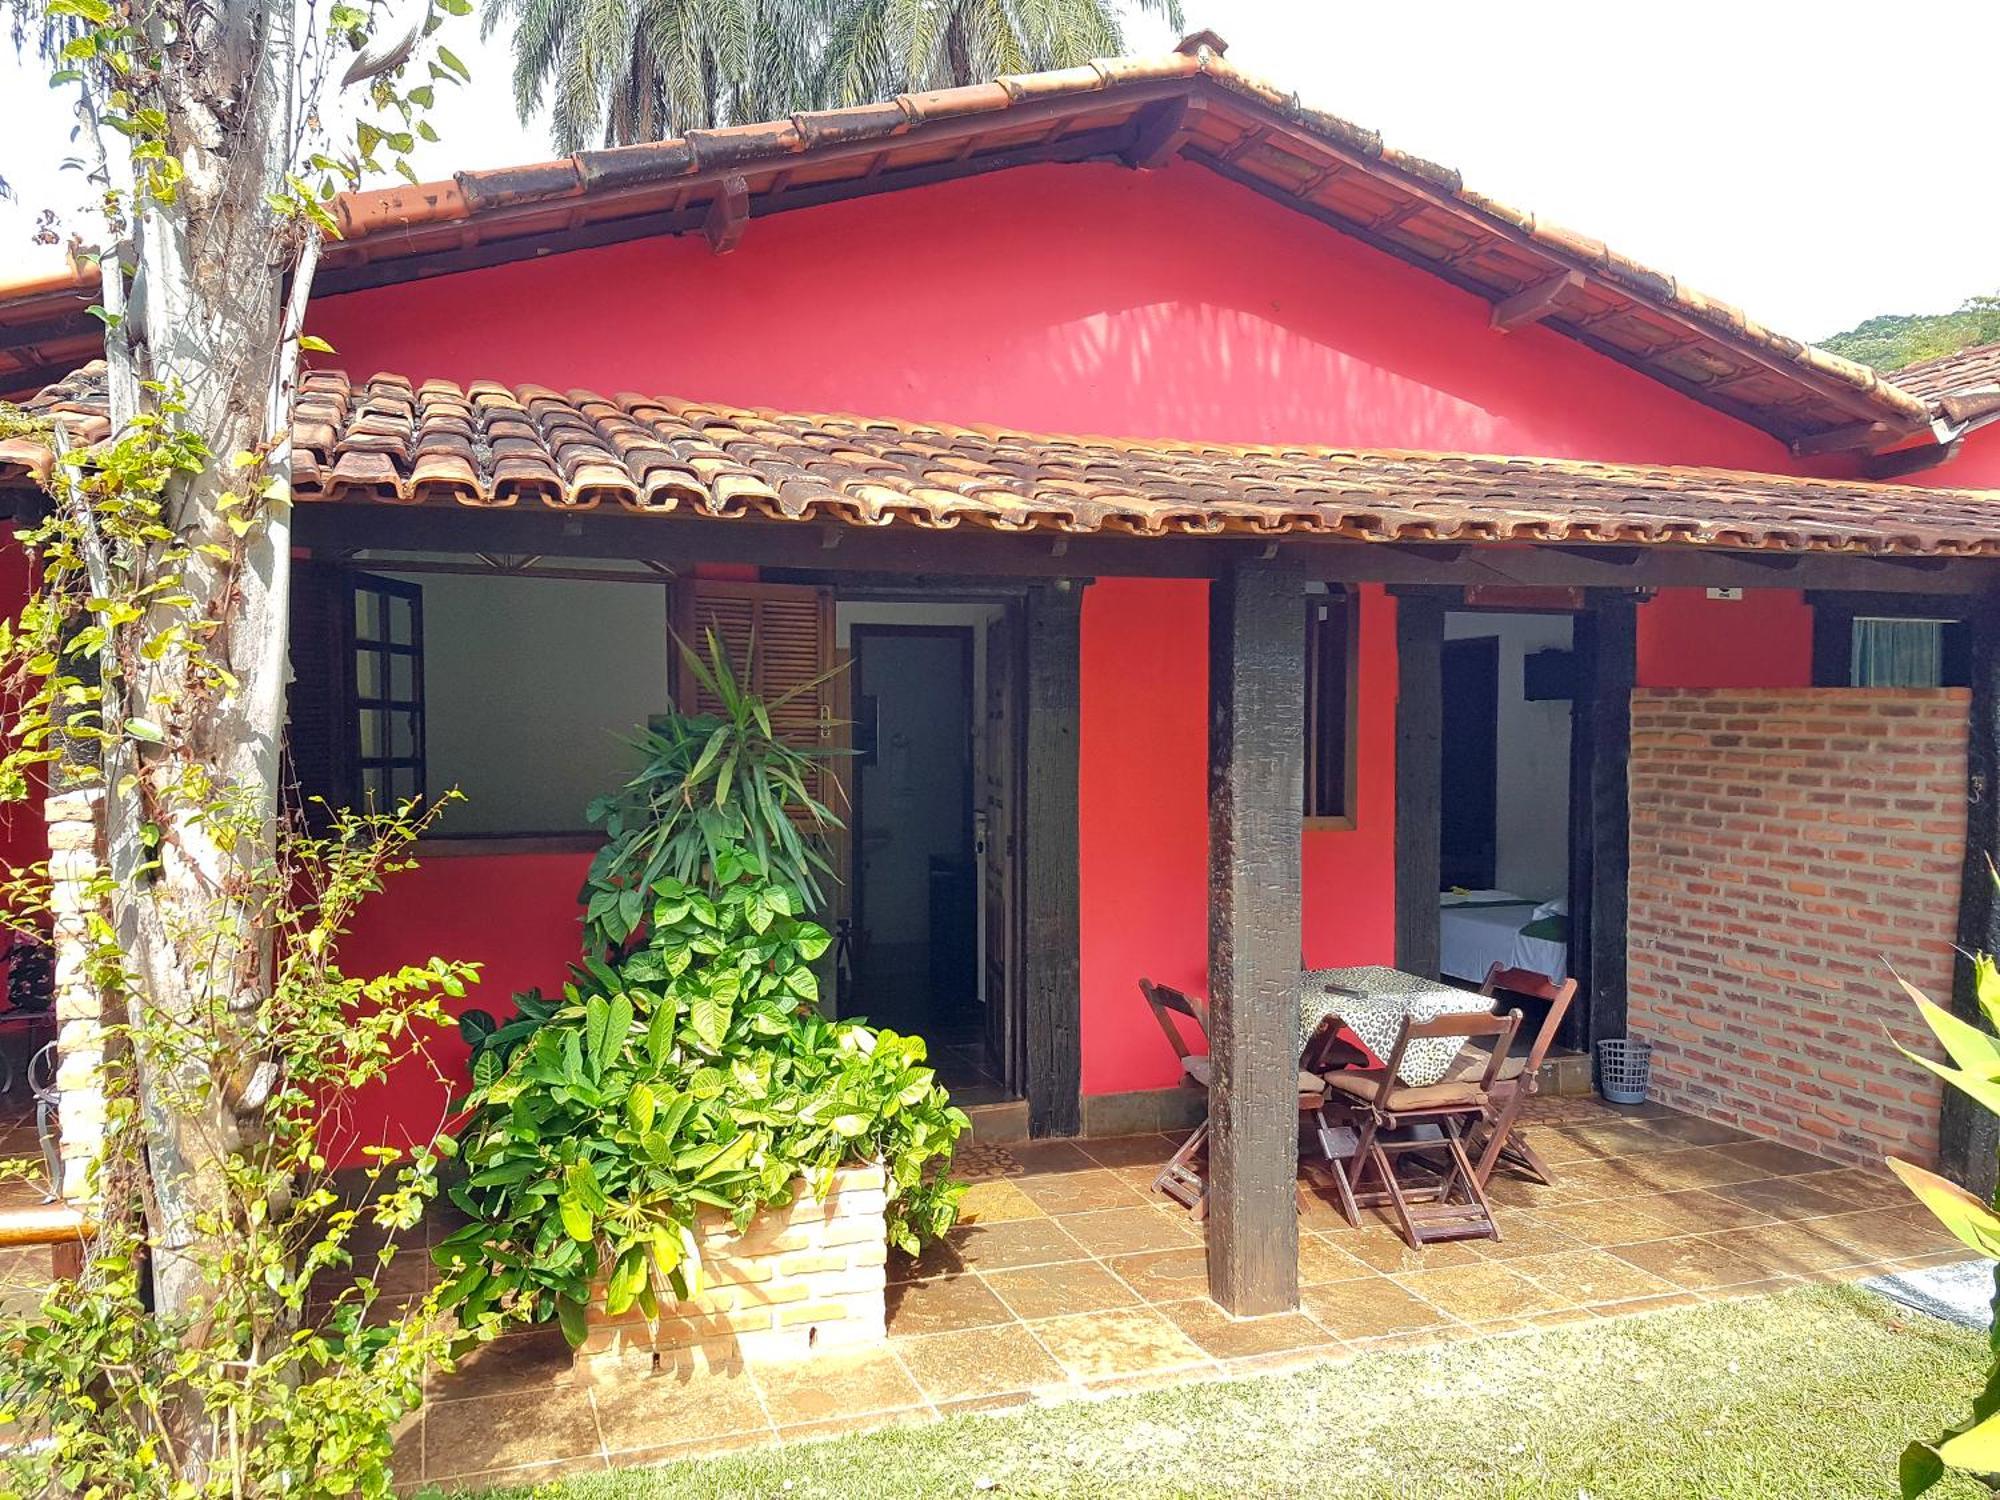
(204,321)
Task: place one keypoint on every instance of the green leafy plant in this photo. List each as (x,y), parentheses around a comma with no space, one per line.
(708,782)
(686,1065)
(1973,1445)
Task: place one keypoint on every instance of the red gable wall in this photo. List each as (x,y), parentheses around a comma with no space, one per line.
(1065,299)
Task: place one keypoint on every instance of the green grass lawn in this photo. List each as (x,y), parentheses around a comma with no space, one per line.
(1808,1396)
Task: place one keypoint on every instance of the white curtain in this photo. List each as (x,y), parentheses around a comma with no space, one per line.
(1898,653)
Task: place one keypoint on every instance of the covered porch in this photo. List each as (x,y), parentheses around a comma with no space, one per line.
(1068,1279)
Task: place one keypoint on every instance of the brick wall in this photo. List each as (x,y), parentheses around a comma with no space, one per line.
(805,1277)
(1787,847)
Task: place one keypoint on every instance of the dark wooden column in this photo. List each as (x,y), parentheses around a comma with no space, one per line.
(1967,1134)
(1419,772)
(1256,751)
(1049,956)
(1607,649)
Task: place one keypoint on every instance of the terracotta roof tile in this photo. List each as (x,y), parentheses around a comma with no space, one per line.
(1964,386)
(1235,123)
(494,446)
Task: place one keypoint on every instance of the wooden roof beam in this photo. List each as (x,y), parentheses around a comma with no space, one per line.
(728,214)
(1533,303)
(1866,435)
(1156,138)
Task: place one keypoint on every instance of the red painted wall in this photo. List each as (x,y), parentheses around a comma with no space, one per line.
(1977,466)
(1059,299)
(1687,639)
(516,914)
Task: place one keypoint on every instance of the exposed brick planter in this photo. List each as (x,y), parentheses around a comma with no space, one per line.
(803,1278)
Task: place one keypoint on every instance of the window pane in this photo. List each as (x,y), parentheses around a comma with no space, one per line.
(403,678)
(1328,622)
(375,787)
(402,620)
(368,675)
(373,731)
(404,780)
(367,615)
(402,734)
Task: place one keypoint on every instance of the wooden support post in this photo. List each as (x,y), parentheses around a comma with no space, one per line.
(1600,834)
(1419,773)
(1256,777)
(1052,927)
(1968,1134)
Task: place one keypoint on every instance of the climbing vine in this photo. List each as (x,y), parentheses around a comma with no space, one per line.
(230,1331)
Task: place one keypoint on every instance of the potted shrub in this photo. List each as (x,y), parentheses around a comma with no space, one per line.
(680,1154)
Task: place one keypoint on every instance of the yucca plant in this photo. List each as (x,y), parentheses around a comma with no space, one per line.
(1973,1446)
(709,782)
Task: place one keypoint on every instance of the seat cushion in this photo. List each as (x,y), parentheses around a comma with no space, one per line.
(1201,1070)
(1368,1086)
(1471,1066)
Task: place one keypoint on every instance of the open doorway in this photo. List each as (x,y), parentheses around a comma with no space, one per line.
(914,946)
(1506,808)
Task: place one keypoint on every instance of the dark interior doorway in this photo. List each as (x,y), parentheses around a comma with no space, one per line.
(1469,813)
(916,950)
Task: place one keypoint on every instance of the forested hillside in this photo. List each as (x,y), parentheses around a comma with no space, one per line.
(1892,340)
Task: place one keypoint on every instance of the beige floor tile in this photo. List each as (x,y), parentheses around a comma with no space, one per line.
(1695,1263)
(1697,1211)
(1371,1308)
(1014,1242)
(1039,1157)
(978,1362)
(849,1424)
(1225,1337)
(1148,1150)
(1080,1192)
(1127,1231)
(1862,1188)
(1474,1294)
(1888,1234)
(1524,1231)
(1125,1341)
(1786,1197)
(1570,1143)
(1702,1167)
(1060,1290)
(524,1475)
(1591,1276)
(938,1259)
(943,1304)
(1608,1221)
(1692,1130)
(500,1432)
(1322,1258)
(1382,1248)
(996,1200)
(1774,1159)
(651,1411)
(1165,1275)
(835,1385)
(1795,1249)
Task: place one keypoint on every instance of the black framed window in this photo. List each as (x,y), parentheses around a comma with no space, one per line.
(1331,660)
(1889,640)
(387,647)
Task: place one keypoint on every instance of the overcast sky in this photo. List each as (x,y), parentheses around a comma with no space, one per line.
(1812,163)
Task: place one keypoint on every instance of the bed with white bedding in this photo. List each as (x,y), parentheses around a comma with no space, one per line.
(1477,929)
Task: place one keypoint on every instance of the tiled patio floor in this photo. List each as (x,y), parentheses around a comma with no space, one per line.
(1069,1278)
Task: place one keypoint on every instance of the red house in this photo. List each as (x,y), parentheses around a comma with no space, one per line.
(1446,588)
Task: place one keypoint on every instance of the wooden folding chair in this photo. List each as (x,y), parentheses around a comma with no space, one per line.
(1455,1207)
(1500,1137)
(1180,1179)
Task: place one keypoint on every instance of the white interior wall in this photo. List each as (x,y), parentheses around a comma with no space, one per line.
(530,686)
(1531,856)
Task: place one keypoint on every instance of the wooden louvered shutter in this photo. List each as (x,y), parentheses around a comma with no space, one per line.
(792,628)
(319,713)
